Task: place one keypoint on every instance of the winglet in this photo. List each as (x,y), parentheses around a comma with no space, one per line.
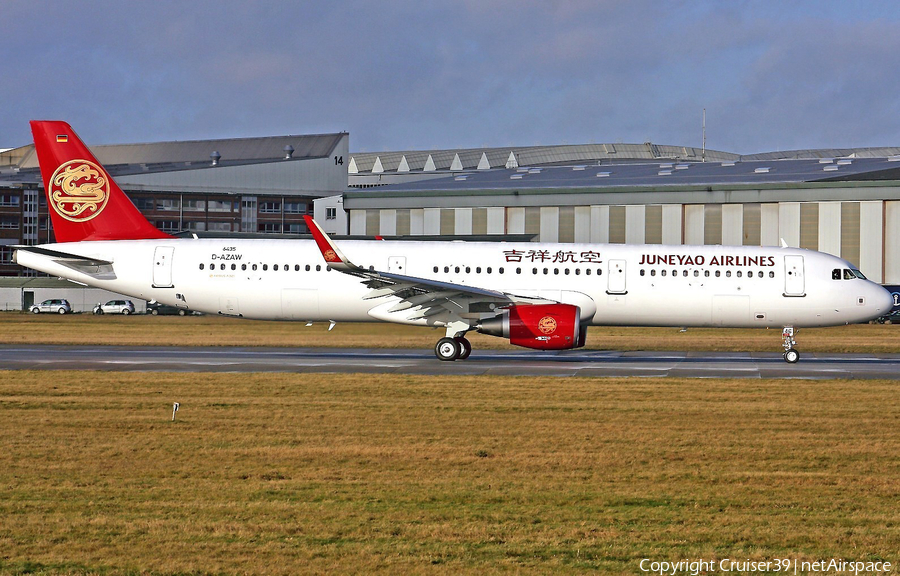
(331,253)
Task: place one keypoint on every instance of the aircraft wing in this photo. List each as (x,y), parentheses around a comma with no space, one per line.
(423,297)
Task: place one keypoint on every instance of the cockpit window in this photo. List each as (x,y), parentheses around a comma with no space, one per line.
(848,274)
(858,274)
(836,274)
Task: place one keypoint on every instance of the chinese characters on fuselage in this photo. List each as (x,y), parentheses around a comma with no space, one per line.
(559,256)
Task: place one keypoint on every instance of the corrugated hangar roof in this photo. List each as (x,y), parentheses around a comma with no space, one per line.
(157,157)
(529,156)
(233,149)
(651,175)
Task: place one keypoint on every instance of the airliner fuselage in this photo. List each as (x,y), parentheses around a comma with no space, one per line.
(635,285)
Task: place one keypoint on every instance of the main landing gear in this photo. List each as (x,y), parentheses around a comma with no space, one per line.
(787,340)
(449,349)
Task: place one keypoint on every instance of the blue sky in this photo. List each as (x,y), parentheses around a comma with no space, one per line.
(414,74)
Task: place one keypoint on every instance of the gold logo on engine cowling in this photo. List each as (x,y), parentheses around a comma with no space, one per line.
(79,190)
(330,256)
(547,325)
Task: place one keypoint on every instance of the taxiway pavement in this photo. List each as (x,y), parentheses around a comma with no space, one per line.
(421,361)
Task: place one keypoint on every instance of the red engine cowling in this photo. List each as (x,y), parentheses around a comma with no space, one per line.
(538,326)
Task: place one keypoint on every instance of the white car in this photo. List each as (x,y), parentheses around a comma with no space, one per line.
(58,306)
(124,307)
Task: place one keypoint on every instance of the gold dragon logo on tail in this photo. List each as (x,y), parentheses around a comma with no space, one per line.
(79,190)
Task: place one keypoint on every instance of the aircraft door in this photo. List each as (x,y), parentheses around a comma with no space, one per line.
(616,277)
(162,266)
(397,264)
(794,283)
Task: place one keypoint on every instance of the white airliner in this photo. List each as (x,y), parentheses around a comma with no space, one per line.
(538,295)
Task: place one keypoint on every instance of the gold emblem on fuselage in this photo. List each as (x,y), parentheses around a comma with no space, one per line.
(547,325)
(79,190)
(330,256)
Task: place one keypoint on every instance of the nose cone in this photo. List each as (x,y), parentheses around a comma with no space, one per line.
(881,301)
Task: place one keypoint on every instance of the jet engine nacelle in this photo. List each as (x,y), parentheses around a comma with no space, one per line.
(539,326)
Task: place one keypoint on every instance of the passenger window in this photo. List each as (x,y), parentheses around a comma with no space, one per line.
(275,268)
(234,266)
(488,269)
(518,270)
(662,272)
(265,266)
(653,272)
(587,272)
(706,273)
(243,266)
(642,271)
(201,266)
(319,267)
(307,268)
(599,271)
(446,269)
(478,270)
(534,270)
(578,271)
(468,270)
(546,271)
(456,269)
(738,273)
(297,268)
(696,273)
(556,271)
(500,270)
(221,266)
(254,267)
(771,274)
(728,273)
(684,274)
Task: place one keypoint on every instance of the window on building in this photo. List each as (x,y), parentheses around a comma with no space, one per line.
(9,200)
(168,225)
(9,222)
(330,213)
(270,207)
(219,205)
(194,205)
(295,207)
(270,227)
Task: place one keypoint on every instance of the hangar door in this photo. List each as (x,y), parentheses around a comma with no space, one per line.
(162,266)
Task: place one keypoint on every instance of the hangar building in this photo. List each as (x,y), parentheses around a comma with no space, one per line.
(844,202)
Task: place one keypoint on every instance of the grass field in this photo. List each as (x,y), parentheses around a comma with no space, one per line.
(280,473)
(20,328)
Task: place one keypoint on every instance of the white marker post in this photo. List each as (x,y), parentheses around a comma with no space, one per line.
(175,407)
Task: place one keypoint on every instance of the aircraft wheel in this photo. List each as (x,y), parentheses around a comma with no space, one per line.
(465,347)
(791,356)
(447,349)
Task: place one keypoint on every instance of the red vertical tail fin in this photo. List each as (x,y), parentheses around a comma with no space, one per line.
(84,201)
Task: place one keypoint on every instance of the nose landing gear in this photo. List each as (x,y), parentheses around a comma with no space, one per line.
(791,356)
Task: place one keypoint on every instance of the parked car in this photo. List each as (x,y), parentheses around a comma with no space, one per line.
(59,306)
(155,308)
(125,307)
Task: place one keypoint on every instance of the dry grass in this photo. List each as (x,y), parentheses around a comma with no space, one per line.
(18,328)
(279,473)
